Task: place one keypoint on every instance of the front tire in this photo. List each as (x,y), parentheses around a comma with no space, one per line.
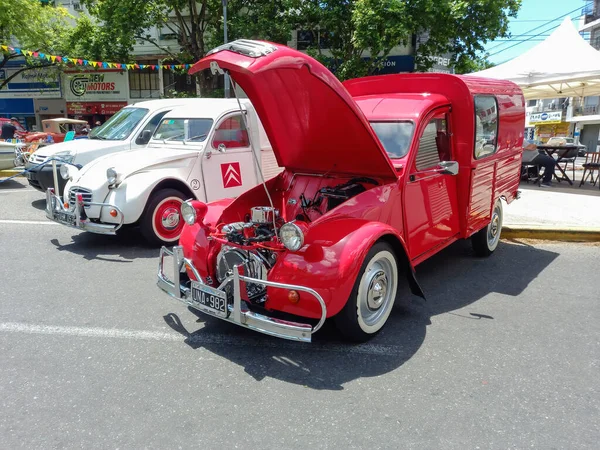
(372,296)
(486,240)
(162,222)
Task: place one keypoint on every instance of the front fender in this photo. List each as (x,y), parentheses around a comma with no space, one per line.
(329,263)
(132,195)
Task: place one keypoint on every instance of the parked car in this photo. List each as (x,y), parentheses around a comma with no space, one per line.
(197,152)
(582,149)
(123,131)
(7,154)
(379,174)
(55,130)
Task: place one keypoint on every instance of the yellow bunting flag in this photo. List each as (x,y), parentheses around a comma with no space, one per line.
(53,58)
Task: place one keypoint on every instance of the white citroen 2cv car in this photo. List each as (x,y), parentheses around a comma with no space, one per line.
(200,151)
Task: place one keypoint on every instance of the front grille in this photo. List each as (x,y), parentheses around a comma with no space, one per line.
(37,159)
(86,193)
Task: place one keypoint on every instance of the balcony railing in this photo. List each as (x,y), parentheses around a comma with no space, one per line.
(585,110)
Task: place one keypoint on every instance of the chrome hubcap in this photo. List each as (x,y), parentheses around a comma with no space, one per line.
(378,287)
(170,218)
(494,229)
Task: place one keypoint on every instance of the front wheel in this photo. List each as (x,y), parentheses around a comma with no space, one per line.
(162,222)
(372,297)
(486,240)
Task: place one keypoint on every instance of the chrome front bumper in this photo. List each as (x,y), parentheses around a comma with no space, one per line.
(238,312)
(76,218)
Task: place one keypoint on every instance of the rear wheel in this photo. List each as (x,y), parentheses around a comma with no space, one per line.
(372,297)
(162,222)
(486,240)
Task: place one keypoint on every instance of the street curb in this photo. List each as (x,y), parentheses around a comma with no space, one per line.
(9,173)
(570,234)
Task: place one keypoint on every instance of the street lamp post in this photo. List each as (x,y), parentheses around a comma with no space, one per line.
(225,42)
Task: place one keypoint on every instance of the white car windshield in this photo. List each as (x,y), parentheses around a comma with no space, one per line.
(395,137)
(119,126)
(189,130)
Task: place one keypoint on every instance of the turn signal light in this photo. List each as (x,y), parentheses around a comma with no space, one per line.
(293,297)
(66,204)
(113,212)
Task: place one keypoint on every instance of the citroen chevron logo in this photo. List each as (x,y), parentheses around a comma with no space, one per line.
(232,175)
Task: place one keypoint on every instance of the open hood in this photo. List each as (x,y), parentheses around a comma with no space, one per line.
(312,122)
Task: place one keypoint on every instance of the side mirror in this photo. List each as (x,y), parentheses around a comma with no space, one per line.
(221,148)
(144,137)
(448,167)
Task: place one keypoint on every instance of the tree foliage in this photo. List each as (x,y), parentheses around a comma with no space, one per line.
(30,25)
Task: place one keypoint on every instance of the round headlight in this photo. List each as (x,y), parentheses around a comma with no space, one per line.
(291,236)
(67,171)
(111,175)
(188,212)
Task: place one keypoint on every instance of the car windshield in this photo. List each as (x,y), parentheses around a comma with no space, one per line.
(395,137)
(189,130)
(119,126)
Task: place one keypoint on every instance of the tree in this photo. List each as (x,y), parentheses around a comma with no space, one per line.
(362,33)
(31,25)
(198,25)
(476,64)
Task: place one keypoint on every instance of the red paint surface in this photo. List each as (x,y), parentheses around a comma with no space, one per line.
(231,174)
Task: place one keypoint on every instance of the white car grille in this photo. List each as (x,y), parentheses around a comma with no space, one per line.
(37,159)
(86,194)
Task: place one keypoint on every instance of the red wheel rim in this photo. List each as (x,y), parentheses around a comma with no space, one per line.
(166,220)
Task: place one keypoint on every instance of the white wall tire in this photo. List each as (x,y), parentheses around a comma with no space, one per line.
(486,240)
(373,296)
(162,223)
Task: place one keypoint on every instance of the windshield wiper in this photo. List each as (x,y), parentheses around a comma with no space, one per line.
(102,138)
(196,137)
(173,137)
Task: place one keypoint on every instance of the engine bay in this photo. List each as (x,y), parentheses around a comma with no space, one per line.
(255,242)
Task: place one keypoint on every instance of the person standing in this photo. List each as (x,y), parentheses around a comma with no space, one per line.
(533,156)
(9,129)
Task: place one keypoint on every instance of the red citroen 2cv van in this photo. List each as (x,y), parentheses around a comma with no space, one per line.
(380,173)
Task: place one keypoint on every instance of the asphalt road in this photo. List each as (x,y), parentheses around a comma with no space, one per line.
(503,354)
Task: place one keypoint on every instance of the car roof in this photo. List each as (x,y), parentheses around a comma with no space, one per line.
(64,120)
(163,103)
(207,108)
(398,106)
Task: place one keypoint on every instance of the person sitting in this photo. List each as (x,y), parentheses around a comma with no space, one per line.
(531,155)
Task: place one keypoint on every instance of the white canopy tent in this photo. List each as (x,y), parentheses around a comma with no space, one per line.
(563,65)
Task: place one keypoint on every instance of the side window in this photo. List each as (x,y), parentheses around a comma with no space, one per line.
(486,126)
(151,125)
(231,133)
(434,145)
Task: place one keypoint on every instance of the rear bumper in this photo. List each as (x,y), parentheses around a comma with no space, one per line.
(76,217)
(238,312)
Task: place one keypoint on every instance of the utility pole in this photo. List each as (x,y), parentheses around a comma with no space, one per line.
(225,42)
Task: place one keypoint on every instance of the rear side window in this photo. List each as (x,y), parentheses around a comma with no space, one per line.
(486,126)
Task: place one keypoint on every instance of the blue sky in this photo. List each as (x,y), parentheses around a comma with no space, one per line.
(535,17)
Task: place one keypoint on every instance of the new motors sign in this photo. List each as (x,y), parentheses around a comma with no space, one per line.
(96,87)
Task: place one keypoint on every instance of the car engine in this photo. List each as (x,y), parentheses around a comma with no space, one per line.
(254,244)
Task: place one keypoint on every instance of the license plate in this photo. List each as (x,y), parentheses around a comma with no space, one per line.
(64,217)
(209,300)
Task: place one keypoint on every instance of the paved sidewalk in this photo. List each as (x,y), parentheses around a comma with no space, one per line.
(563,208)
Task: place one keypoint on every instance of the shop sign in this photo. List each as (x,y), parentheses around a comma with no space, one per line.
(96,86)
(546,117)
(88,108)
(33,83)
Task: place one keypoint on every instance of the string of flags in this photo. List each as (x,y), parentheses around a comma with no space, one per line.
(96,64)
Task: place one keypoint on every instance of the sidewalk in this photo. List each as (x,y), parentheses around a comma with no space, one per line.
(562,212)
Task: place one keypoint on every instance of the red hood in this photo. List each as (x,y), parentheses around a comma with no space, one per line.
(311,120)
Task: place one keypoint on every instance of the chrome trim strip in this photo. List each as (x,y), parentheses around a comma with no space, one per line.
(239,313)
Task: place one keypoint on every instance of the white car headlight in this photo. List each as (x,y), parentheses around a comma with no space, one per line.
(188,212)
(68,172)
(65,157)
(291,236)
(112,176)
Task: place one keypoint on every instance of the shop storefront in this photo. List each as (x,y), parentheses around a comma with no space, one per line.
(49,108)
(18,97)
(95,96)
(549,124)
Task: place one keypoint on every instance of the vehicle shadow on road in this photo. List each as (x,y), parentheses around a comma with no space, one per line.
(11,184)
(125,247)
(39,204)
(452,280)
